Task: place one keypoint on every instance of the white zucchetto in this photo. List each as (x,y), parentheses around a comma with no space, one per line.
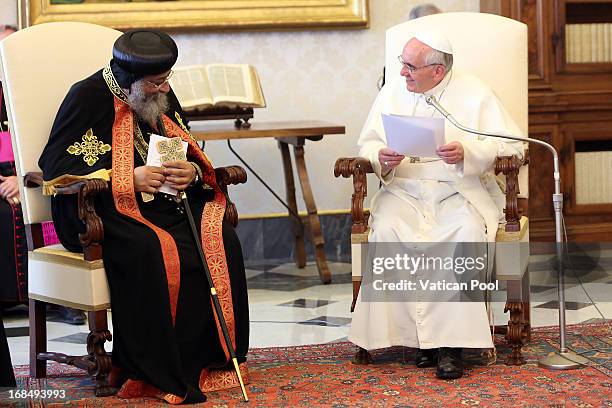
(435,40)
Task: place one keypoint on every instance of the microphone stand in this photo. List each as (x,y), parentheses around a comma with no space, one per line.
(564,359)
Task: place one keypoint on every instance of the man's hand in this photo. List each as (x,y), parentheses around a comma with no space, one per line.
(179,174)
(9,189)
(451,153)
(389,159)
(148,179)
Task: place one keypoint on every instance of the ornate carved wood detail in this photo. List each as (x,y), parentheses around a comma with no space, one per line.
(358,168)
(518,331)
(226,176)
(103,364)
(94,231)
(98,335)
(97,362)
(509,166)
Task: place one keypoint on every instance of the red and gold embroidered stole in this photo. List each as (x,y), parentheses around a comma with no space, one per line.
(212,215)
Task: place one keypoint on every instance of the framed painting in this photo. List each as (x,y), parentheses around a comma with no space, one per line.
(208,15)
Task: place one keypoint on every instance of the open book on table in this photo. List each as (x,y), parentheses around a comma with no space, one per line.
(199,87)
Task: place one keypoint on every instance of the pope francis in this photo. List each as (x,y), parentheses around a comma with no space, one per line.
(449,198)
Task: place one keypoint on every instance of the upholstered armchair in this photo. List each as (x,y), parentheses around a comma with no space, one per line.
(37,67)
(493,49)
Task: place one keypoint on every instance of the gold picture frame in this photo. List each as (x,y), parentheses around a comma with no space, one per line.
(208,15)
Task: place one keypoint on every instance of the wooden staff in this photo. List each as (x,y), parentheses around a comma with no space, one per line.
(211,284)
(213,294)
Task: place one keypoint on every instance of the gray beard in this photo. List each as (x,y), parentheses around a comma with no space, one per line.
(148,107)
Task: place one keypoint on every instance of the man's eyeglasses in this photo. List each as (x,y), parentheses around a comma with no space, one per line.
(164,82)
(410,67)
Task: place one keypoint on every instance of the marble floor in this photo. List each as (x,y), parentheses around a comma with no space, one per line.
(290,306)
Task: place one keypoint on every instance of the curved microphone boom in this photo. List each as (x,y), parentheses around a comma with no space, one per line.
(564,359)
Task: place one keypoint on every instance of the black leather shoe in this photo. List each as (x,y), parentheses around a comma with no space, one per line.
(67,315)
(450,364)
(426,358)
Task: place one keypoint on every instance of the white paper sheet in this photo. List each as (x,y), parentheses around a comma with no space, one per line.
(154,159)
(414,136)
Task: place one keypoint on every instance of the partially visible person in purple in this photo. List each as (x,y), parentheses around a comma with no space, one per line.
(9,200)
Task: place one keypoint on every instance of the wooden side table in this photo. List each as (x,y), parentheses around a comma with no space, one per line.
(294,133)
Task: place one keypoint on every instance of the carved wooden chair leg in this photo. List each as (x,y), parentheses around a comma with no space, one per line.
(526,306)
(518,332)
(362,357)
(38,337)
(102,366)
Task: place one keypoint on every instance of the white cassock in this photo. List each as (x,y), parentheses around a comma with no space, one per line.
(431,201)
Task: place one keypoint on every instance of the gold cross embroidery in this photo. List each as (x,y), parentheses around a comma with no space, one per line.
(171,150)
(90,148)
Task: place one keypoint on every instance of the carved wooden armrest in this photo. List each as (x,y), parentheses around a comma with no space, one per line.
(33,179)
(227,176)
(509,166)
(94,232)
(358,168)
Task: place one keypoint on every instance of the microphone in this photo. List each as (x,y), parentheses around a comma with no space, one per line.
(564,359)
(431,100)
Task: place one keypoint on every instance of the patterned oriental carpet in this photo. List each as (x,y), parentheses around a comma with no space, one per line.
(322,375)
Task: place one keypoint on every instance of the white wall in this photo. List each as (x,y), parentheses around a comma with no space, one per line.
(327,75)
(8,12)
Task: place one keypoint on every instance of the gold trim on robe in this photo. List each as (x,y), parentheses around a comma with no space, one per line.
(211,229)
(48,187)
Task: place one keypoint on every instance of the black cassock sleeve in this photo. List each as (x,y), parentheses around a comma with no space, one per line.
(81,136)
(79,144)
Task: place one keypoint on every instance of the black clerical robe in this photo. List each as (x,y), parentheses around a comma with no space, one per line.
(13,246)
(7,378)
(13,260)
(165,336)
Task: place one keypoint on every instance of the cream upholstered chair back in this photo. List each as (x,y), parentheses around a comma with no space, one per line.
(37,67)
(490,47)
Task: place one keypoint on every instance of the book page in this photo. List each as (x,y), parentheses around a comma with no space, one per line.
(258,98)
(190,84)
(230,84)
